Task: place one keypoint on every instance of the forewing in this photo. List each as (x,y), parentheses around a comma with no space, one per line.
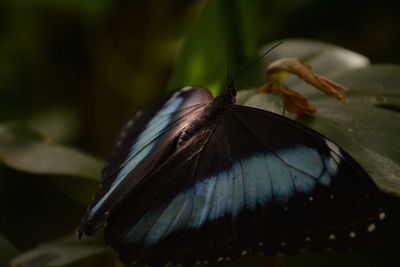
(141,132)
(145,141)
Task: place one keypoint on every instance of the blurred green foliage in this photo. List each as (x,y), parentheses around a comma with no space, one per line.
(72,72)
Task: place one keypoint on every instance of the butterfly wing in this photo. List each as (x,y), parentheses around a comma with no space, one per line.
(144,141)
(249,180)
(322,197)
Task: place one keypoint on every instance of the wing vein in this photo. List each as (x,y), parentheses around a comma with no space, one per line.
(271,151)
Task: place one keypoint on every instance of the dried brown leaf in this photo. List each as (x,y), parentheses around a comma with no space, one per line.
(298,67)
(294,102)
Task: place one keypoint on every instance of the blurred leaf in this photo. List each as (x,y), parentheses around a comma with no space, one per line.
(7,251)
(25,150)
(89,9)
(364,128)
(227,25)
(64,252)
(60,125)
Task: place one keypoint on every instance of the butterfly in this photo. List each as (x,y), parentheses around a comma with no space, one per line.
(193,178)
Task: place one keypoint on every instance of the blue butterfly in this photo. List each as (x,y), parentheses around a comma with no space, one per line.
(193,178)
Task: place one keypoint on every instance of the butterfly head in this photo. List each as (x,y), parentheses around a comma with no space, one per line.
(230,94)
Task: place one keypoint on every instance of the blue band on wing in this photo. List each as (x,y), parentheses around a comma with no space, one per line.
(144,144)
(255,180)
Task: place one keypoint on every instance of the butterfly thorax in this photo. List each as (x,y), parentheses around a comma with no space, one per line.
(208,117)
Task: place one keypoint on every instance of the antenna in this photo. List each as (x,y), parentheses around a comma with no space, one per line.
(252,63)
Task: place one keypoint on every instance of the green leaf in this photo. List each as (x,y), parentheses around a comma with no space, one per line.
(60,125)
(226,25)
(365,127)
(65,252)
(253,98)
(25,150)
(88,9)
(7,251)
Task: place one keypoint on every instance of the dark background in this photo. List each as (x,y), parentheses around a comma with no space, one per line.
(77,70)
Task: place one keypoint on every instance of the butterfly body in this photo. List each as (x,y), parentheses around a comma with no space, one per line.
(196,178)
